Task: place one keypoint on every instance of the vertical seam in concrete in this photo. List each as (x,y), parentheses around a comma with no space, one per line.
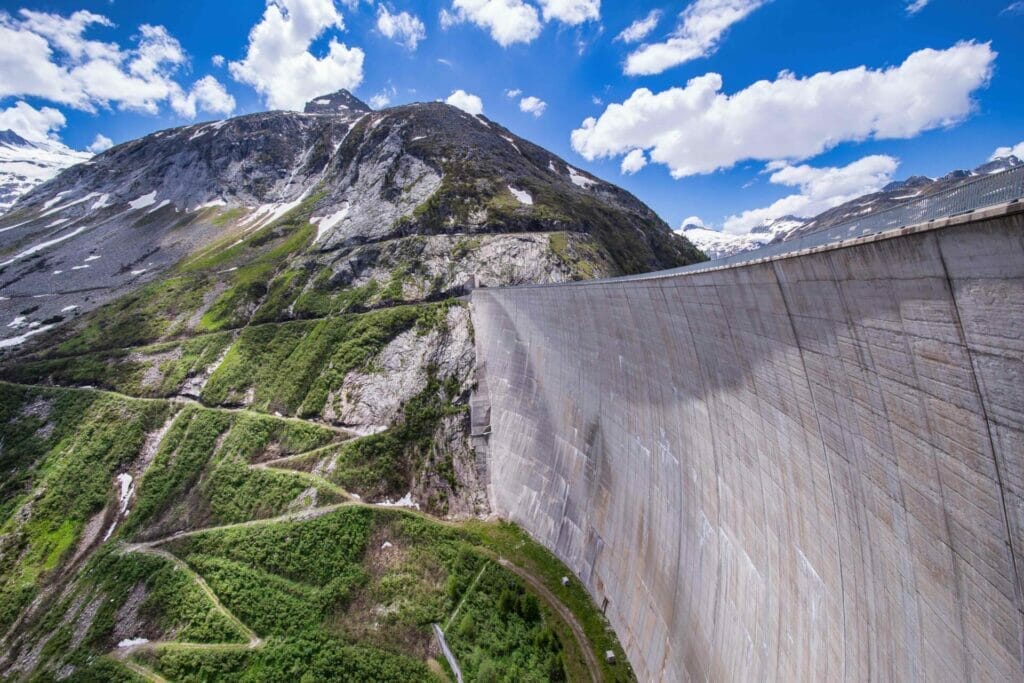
(1018,586)
(679,544)
(957,573)
(824,451)
(911,572)
(718,477)
(757,398)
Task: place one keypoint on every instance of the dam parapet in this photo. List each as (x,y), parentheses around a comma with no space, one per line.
(803,465)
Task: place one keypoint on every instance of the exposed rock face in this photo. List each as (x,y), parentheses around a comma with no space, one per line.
(342,102)
(896,193)
(281,217)
(371,398)
(362,177)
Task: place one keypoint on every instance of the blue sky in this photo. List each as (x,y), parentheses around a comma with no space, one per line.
(939,88)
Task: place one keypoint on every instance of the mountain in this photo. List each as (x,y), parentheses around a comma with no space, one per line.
(233,349)
(717,244)
(896,193)
(24,164)
(364,178)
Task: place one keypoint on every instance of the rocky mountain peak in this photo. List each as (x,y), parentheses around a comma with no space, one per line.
(998,164)
(914,181)
(340,102)
(465,201)
(12,139)
(776,226)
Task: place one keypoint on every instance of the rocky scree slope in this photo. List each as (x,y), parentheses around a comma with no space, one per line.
(261,319)
(363,178)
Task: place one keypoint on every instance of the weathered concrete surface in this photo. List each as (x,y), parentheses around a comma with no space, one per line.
(804,469)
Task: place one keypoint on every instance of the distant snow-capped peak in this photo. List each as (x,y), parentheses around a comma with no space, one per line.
(721,244)
(27,163)
(717,244)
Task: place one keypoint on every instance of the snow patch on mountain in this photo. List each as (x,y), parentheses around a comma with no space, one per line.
(718,244)
(522,195)
(25,164)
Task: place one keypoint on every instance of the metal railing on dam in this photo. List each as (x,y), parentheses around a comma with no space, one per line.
(802,467)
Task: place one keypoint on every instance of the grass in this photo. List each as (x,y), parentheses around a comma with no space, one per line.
(293,368)
(305,660)
(157,370)
(510,541)
(581,255)
(249,283)
(349,595)
(228,216)
(201,471)
(502,634)
(159,310)
(61,450)
(367,583)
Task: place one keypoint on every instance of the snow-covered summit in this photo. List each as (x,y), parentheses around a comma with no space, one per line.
(718,244)
(25,164)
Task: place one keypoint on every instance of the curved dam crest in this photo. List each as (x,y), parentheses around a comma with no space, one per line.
(806,468)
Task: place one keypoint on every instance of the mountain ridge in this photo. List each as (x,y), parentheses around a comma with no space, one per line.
(718,244)
(365,176)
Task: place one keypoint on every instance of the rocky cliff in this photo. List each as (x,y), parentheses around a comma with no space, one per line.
(363,178)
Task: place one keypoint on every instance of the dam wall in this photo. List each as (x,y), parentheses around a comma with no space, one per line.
(809,467)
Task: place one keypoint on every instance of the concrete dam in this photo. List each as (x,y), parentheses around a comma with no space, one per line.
(800,465)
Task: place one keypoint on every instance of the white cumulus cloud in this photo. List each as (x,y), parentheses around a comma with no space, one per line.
(404,28)
(571,12)
(692,220)
(383,98)
(508,21)
(516,21)
(820,189)
(217,60)
(207,94)
(640,28)
(533,105)
(1017,151)
(31,123)
(700,28)
(513,93)
(699,129)
(50,57)
(633,162)
(100,144)
(278,63)
(471,104)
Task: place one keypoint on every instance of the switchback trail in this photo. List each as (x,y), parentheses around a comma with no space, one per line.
(123,654)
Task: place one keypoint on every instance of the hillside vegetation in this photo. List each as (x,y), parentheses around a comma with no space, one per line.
(249,459)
